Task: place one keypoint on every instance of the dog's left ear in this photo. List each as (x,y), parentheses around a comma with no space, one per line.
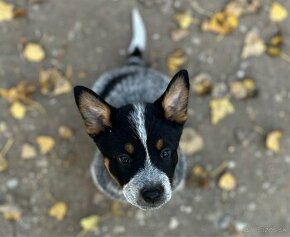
(95,111)
(174,100)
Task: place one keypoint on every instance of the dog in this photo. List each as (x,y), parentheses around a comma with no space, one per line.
(135,115)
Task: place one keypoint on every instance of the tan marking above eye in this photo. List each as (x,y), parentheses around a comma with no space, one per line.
(129,148)
(159,144)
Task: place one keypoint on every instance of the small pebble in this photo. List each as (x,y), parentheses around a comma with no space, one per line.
(12,183)
(174,223)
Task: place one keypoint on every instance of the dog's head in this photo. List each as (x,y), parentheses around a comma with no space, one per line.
(139,142)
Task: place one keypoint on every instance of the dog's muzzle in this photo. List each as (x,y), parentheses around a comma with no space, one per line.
(150,188)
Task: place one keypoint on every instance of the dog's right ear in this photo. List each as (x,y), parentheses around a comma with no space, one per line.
(94,110)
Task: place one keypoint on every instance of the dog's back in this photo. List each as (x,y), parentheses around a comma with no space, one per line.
(133,82)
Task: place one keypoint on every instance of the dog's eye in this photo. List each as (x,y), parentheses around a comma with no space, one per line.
(165,153)
(124,159)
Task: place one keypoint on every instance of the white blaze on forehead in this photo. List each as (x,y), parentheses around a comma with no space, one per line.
(138,120)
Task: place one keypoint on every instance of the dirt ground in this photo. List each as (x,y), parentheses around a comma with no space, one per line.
(92,36)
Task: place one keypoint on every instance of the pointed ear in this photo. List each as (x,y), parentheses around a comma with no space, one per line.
(94,110)
(174,100)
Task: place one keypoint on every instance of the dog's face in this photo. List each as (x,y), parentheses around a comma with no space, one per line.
(139,142)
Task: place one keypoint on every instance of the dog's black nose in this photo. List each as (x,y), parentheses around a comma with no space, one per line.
(152,194)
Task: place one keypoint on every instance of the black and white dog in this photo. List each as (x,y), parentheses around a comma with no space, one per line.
(135,115)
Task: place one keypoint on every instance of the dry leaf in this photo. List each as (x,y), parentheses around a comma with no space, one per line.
(240,7)
(6,11)
(22,91)
(58,210)
(175,60)
(278,12)
(33,52)
(273,140)
(65,132)
(10,212)
(191,142)
(220,108)
(90,223)
(227,182)
(202,84)
(53,82)
(3,164)
(45,144)
(28,152)
(18,110)
(19,12)
(199,176)
(179,34)
(221,23)
(184,20)
(117,209)
(274,46)
(253,46)
(243,89)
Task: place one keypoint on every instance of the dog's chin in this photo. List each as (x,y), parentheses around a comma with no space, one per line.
(149,206)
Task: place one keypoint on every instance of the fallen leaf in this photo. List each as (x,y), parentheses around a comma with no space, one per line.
(58,210)
(220,108)
(90,223)
(175,60)
(243,89)
(240,7)
(117,209)
(45,144)
(53,82)
(19,12)
(199,176)
(18,110)
(10,212)
(179,34)
(28,152)
(33,52)
(221,23)
(65,132)
(202,84)
(227,182)
(274,46)
(273,140)
(21,92)
(253,45)
(278,12)
(184,20)
(6,11)
(191,142)
(3,164)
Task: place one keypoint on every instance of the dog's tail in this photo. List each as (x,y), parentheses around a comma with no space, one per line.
(138,41)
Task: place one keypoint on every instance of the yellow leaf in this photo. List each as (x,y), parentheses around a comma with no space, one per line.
(199,171)
(45,144)
(220,108)
(240,7)
(273,140)
(117,209)
(274,45)
(278,12)
(18,110)
(11,212)
(6,11)
(58,210)
(202,84)
(175,60)
(27,152)
(65,132)
(243,89)
(33,52)
(221,23)
(227,182)
(3,164)
(52,81)
(191,142)
(184,20)
(90,223)
(253,46)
